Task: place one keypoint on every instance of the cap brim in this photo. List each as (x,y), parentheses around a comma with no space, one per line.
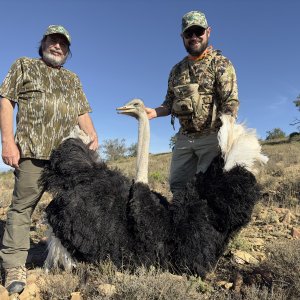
(192,25)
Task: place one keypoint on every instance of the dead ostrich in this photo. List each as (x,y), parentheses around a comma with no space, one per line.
(218,203)
(98,213)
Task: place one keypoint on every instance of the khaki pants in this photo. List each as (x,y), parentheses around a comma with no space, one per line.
(26,195)
(191,156)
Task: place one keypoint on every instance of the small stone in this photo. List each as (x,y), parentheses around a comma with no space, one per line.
(76,296)
(228,285)
(296,233)
(242,257)
(257,241)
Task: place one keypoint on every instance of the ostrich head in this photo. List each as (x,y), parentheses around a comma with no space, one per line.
(136,108)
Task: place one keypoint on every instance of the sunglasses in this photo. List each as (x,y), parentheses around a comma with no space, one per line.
(198,31)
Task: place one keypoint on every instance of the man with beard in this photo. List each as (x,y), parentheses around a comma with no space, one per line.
(50,103)
(201,87)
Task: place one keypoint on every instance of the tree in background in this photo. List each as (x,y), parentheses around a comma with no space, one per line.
(132,150)
(114,149)
(276,133)
(297,121)
(297,102)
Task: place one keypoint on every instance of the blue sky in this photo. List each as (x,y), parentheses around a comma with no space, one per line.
(125,49)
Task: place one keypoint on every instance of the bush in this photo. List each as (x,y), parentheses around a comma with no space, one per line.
(114,149)
(276,133)
(132,150)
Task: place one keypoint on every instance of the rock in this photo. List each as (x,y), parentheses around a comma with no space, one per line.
(227,285)
(257,241)
(76,296)
(107,289)
(242,257)
(296,233)
(31,292)
(3,293)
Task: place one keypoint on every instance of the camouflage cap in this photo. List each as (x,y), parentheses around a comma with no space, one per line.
(58,29)
(194,18)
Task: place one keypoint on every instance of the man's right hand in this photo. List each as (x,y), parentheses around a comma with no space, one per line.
(151,113)
(10,154)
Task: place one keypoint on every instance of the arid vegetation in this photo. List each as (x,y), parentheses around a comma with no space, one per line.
(261,262)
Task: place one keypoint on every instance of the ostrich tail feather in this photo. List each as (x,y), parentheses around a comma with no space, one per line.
(239,145)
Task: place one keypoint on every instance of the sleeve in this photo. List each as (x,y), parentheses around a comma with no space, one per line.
(170,94)
(226,85)
(13,82)
(83,104)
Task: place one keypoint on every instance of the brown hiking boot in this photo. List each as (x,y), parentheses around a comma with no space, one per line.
(15,279)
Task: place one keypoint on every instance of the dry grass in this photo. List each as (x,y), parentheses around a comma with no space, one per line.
(280,178)
(284,263)
(280,181)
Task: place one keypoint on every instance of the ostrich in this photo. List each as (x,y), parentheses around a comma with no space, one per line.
(98,213)
(217,203)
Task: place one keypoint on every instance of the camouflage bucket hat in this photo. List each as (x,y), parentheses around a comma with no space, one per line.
(58,29)
(194,18)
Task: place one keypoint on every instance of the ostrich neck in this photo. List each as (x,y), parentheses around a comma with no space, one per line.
(143,150)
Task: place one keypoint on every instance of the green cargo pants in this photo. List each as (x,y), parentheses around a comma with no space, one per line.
(26,195)
(191,155)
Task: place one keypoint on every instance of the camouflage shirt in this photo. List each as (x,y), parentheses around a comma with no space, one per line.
(49,102)
(217,85)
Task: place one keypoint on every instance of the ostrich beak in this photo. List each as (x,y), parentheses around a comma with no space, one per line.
(127,110)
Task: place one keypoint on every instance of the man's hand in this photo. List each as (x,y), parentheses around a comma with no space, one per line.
(94,145)
(151,113)
(160,111)
(10,154)
(85,123)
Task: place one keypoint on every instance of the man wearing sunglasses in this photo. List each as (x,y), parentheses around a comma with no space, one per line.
(201,87)
(50,103)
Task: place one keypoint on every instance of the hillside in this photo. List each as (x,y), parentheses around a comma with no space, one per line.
(262,262)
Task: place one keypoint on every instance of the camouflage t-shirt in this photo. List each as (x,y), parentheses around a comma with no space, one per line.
(49,102)
(217,85)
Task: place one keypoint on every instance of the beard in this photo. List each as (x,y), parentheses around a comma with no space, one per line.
(196,51)
(53,60)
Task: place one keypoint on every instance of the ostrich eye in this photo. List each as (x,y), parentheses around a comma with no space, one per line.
(135,104)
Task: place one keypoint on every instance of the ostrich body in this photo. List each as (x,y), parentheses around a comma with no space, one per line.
(98,213)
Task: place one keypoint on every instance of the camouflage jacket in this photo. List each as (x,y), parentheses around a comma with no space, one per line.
(49,102)
(217,85)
